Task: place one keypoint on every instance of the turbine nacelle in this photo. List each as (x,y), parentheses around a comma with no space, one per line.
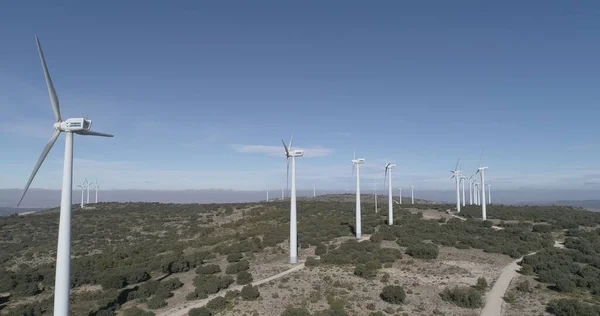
(296,153)
(390,166)
(73,125)
(358,161)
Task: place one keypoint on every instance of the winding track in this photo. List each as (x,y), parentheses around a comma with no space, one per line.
(183,311)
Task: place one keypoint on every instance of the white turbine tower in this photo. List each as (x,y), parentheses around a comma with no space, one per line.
(375,194)
(388,175)
(87,201)
(291,153)
(356,164)
(471,190)
(267,195)
(456,175)
(412,194)
(82,186)
(314,191)
(462,179)
(96,187)
(476,192)
(481,170)
(399,195)
(489,185)
(80,126)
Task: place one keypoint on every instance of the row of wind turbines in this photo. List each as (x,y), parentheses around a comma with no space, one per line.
(476,189)
(87,186)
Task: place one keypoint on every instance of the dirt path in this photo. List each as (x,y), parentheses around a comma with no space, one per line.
(183,310)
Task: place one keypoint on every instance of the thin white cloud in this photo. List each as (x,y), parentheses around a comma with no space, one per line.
(276,151)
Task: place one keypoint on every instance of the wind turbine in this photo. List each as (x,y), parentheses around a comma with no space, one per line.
(400,196)
(80,126)
(489,185)
(481,170)
(412,194)
(471,190)
(96,187)
(291,153)
(356,164)
(375,193)
(82,186)
(476,192)
(314,191)
(267,195)
(388,175)
(456,175)
(88,192)
(462,179)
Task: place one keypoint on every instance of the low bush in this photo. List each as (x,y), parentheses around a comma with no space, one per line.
(202,311)
(234,257)
(481,284)
(393,294)
(572,307)
(423,251)
(156,302)
(250,292)
(296,311)
(216,304)
(136,311)
(463,296)
(208,269)
(243,278)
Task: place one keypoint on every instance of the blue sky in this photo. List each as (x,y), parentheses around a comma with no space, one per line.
(200,94)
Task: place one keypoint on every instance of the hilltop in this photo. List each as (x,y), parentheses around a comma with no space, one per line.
(200,259)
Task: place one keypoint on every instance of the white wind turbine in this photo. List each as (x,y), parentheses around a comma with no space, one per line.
(456,175)
(399,195)
(476,192)
(314,191)
(375,194)
(87,201)
(388,175)
(489,185)
(96,187)
(462,179)
(356,164)
(471,190)
(291,153)
(412,194)
(267,195)
(82,186)
(80,126)
(481,170)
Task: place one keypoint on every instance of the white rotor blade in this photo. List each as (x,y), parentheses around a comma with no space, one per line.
(287,152)
(385,178)
(457,163)
(287,177)
(40,161)
(353,169)
(92,133)
(51,91)
(291,140)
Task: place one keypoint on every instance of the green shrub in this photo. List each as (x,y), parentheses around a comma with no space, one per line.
(510,297)
(234,257)
(136,311)
(216,304)
(423,251)
(462,296)
(234,268)
(296,311)
(481,284)
(362,271)
(565,285)
(171,284)
(250,292)
(243,278)
(524,287)
(156,302)
(572,307)
(208,269)
(393,294)
(321,249)
(202,311)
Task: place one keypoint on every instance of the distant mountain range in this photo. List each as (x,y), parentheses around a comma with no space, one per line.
(592,205)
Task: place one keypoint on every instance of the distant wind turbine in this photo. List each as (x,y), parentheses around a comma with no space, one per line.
(489,185)
(87,201)
(412,194)
(80,126)
(471,190)
(388,175)
(462,179)
(456,175)
(356,164)
(476,192)
(96,187)
(481,170)
(267,195)
(399,195)
(293,154)
(375,194)
(314,191)
(82,186)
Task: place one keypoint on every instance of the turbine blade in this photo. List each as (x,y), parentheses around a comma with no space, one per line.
(353,169)
(481,157)
(93,133)
(385,178)
(39,162)
(287,152)
(291,140)
(457,163)
(51,91)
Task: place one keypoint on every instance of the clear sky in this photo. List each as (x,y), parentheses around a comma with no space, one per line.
(200,94)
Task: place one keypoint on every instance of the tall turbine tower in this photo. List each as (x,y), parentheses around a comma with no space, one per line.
(314,191)
(471,190)
(388,175)
(96,187)
(462,179)
(82,186)
(356,164)
(267,194)
(476,192)
(456,175)
(412,194)
(481,170)
(399,195)
(80,126)
(293,154)
(375,193)
(87,201)
(489,185)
